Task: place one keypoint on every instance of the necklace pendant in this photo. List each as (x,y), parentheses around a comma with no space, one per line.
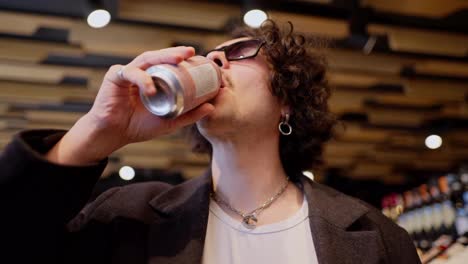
(250,221)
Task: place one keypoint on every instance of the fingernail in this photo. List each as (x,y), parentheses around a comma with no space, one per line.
(150,91)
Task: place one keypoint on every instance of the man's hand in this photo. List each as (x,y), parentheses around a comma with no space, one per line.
(118,117)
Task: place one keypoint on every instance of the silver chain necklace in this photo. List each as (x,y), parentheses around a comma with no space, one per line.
(250,219)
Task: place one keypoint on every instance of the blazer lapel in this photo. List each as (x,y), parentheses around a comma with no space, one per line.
(178,234)
(331,216)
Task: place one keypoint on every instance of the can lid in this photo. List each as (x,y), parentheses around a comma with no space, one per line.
(161,103)
(166,102)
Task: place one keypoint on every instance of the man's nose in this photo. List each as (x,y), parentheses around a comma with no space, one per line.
(219,58)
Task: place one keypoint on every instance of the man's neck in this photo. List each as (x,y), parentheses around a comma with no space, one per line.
(246,175)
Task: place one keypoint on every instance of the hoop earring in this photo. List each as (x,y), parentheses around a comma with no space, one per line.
(285,123)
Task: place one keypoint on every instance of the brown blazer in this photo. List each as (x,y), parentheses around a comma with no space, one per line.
(159,223)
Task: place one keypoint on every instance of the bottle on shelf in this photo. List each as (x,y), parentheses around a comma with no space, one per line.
(460,200)
(448,209)
(418,218)
(407,219)
(436,212)
(426,214)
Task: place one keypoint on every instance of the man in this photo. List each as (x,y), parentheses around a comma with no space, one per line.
(265,126)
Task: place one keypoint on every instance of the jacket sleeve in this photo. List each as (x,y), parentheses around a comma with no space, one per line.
(38,198)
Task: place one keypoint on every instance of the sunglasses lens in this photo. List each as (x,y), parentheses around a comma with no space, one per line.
(243,49)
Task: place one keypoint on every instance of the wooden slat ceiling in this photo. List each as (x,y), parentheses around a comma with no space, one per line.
(409,83)
(423,8)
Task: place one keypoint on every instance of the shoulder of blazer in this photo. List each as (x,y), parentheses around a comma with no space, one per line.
(357,216)
(397,242)
(331,206)
(345,211)
(130,201)
(145,201)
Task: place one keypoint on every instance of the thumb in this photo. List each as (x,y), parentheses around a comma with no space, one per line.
(194,115)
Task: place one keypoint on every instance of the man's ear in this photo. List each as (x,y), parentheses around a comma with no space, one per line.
(285,109)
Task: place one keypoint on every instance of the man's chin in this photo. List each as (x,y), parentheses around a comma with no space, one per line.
(218,117)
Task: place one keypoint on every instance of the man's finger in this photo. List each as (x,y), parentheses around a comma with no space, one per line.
(139,77)
(173,55)
(124,76)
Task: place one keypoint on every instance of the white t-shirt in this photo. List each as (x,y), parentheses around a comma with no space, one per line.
(229,242)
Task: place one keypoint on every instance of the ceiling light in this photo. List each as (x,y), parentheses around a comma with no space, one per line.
(433,141)
(99,18)
(255,17)
(127,173)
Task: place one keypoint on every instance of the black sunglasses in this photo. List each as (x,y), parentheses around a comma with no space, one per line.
(241,50)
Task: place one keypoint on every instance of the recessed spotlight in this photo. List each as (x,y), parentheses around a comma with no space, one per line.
(255,17)
(127,173)
(99,18)
(433,141)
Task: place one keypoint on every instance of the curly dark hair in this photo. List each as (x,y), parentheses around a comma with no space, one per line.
(298,79)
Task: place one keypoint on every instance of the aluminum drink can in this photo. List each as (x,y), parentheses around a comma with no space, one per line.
(182,87)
